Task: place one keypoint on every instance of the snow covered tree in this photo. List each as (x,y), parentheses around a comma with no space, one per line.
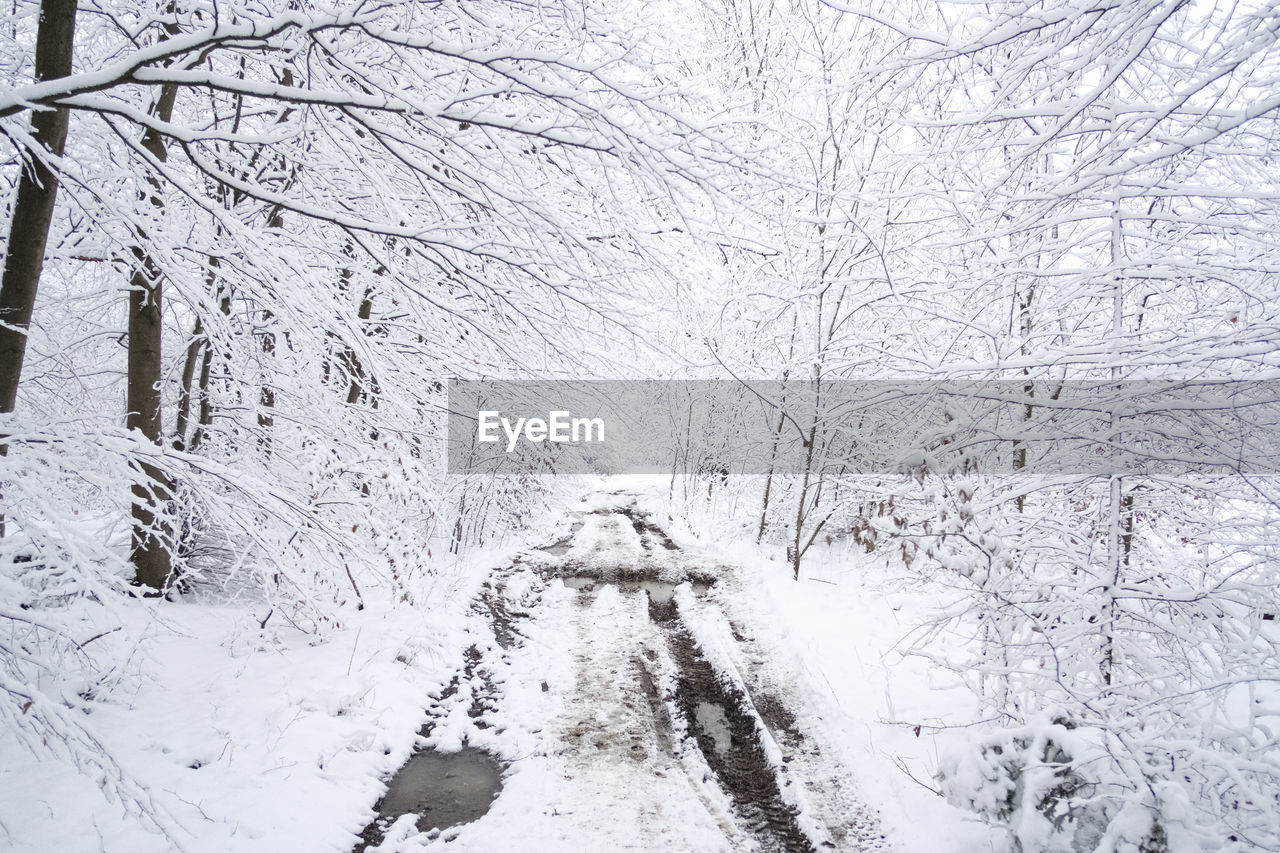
(297,222)
(1106,165)
(488,175)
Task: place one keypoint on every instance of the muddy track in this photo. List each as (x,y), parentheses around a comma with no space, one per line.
(650,698)
(742,765)
(754,713)
(852,824)
(716,712)
(643,524)
(490,604)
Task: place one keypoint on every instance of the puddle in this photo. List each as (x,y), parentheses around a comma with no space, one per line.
(660,592)
(713,723)
(559,549)
(443,788)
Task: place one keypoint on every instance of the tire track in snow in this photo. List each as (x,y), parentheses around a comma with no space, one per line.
(651,737)
(709,708)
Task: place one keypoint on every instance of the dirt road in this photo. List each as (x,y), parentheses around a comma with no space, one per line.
(610,703)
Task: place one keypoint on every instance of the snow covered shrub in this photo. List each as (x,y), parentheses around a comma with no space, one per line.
(65,641)
(1057,788)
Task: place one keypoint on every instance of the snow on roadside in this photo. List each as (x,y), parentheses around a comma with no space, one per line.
(252,737)
(844,624)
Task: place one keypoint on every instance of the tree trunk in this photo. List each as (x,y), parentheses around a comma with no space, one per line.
(205,419)
(796,551)
(197,354)
(267,392)
(1117,562)
(152,554)
(768,480)
(194,350)
(777,435)
(355,369)
(33,208)
(152,539)
(1025,301)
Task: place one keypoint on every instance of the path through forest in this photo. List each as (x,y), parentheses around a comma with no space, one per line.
(609,701)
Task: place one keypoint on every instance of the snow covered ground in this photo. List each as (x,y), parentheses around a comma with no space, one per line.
(644,687)
(835,640)
(247,737)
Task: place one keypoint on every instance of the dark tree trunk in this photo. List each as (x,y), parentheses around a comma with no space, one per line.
(796,551)
(152,558)
(267,396)
(33,208)
(768,480)
(206,368)
(152,554)
(267,393)
(197,355)
(206,404)
(194,351)
(355,370)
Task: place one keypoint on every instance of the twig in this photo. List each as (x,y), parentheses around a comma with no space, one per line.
(903,767)
(98,635)
(354,646)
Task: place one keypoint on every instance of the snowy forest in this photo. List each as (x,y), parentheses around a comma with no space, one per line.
(251,600)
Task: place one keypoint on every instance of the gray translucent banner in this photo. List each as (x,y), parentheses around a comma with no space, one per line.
(1000,427)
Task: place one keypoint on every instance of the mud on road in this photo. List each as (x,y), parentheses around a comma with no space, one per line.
(648,708)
